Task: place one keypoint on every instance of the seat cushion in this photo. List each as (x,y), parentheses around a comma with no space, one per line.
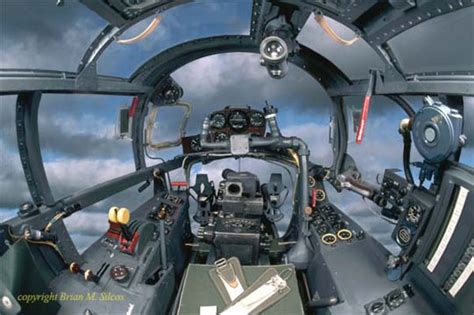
(199,290)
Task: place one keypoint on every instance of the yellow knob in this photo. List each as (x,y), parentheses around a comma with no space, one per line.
(113,214)
(123,216)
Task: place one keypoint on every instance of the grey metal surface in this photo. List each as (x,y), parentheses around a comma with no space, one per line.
(358,270)
(13,81)
(134,294)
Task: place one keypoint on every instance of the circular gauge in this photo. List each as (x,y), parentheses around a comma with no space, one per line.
(218,121)
(320,195)
(344,234)
(328,239)
(237,120)
(257,119)
(221,137)
(311,181)
(196,145)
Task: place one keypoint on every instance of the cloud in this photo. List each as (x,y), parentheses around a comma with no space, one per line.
(13,187)
(71,175)
(237,79)
(37,34)
(316,137)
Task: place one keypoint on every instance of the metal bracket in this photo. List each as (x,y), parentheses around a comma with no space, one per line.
(87,78)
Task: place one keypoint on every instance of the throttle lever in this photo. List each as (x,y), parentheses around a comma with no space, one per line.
(349,181)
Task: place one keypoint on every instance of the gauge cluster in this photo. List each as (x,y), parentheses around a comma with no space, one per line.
(230,121)
(227,122)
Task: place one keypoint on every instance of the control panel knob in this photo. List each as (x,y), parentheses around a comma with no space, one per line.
(113,214)
(119,273)
(123,216)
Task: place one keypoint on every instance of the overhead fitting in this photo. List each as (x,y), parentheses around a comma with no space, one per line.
(278,44)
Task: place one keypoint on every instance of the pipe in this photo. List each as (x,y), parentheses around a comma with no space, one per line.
(164,260)
(341,134)
(270,117)
(205,134)
(300,254)
(405,127)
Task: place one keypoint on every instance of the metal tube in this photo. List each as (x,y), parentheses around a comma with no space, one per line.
(164,261)
(204,135)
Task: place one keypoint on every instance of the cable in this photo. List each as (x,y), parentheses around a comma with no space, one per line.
(148,30)
(48,243)
(329,31)
(54,220)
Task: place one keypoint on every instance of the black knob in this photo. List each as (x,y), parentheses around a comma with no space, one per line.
(27,209)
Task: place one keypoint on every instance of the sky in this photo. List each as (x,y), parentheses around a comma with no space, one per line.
(77,131)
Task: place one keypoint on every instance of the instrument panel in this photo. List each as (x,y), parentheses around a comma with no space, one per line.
(230,121)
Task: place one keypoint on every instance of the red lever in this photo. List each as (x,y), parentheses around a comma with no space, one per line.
(365,108)
(179,184)
(133,107)
(313,197)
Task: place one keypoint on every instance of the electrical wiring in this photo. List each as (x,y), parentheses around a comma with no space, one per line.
(329,31)
(54,220)
(48,243)
(148,30)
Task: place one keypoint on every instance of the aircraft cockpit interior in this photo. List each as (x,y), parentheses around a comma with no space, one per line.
(240,214)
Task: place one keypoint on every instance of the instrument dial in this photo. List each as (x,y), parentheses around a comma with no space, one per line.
(221,137)
(257,119)
(311,181)
(238,120)
(320,195)
(218,121)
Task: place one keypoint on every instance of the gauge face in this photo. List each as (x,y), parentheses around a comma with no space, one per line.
(320,195)
(221,137)
(196,145)
(311,181)
(237,120)
(218,121)
(257,119)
